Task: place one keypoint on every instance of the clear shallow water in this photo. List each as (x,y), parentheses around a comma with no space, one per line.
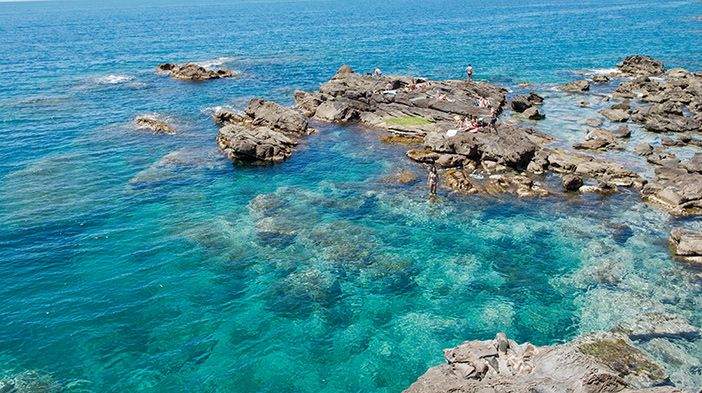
(137,262)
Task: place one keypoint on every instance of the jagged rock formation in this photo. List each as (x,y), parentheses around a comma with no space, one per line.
(266,132)
(398,104)
(601,362)
(687,244)
(193,72)
(155,125)
(640,65)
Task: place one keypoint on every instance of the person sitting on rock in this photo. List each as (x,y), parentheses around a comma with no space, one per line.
(377,72)
(412,86)
(433,180)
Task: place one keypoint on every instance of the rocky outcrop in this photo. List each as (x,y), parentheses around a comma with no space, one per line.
(266,132)
(603,363)
(193,72)
(402,105)
(153,124)
(675,189)
(568,162)
(578,86)
(640,65)
(687,244)
(533,113)
(615,115)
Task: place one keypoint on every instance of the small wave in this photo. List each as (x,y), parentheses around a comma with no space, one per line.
(113,79)
(217,62)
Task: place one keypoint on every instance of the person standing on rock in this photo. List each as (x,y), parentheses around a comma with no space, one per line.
(493,117)
(433,181)
(469,72)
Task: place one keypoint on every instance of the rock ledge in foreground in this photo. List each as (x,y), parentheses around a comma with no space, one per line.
(601,362)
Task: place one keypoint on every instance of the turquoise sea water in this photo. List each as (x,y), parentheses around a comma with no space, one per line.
(139,262)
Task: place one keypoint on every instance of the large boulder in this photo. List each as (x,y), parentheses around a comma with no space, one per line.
(640,65)
(265,132)
(603,363)
(193,72)
(597,139)
(245,144)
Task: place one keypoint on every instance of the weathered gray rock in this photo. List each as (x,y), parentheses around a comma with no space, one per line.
(565,161)
(640,65)
(604,363)
(694,164)
(657,325)
(615,115)
(622,131)
(687,244)
(675,189)
(533,113)
(153,124)
(578,86)
(266,132)
(593,122)
(597,139)
(193,72)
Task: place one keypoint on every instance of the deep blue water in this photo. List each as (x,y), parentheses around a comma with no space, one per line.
(139,262)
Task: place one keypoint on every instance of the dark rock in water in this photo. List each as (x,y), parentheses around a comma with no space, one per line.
(602,363)
(193,72)
(576,86)
(622,132)
(155,125)
(640,65)
(572,182)
(621,233)
(584,104)
(534,114)
(403,176)
(403,105)
(661,157)
(657,325)
(266,132)
(625,105)
(615,115)
(600,78)
(522,103)
(687,244)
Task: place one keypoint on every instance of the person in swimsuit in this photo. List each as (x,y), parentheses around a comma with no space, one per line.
(377,72)
(493,118)
(469,72)
(433,180)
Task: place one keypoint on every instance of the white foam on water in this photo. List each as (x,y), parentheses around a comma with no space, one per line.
(113,79)
(216,62)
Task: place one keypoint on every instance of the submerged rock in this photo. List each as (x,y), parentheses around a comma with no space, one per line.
(266,132)
(153,124)
(603,363)
(29,382)
(522,103)
(657,325)
(534,114)
(687,244)
(193,72)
